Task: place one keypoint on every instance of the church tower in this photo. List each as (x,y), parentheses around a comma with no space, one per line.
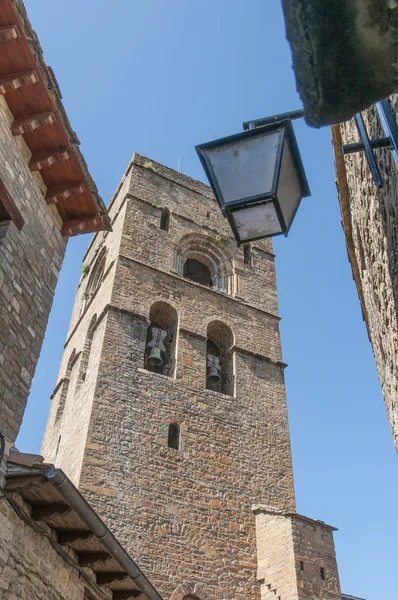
(170,413)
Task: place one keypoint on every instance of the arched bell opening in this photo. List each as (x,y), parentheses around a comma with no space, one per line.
(219,358)
(161,339)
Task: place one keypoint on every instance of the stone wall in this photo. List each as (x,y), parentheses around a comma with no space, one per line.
(296,557)
(185,513)
(30,260)
(32,565)
(373,228)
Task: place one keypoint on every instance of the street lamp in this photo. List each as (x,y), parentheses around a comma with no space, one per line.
(257,177)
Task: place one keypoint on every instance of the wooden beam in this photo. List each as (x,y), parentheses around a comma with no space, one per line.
(20,484)
(82,225)
(46,159)
(69,537)
(9,83)
(105,578)
(31,122)
(62,192)
(40,513)
(8,33)
(125,594)
(88,559)
(9,207)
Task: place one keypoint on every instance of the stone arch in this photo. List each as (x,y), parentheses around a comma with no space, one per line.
(190,592)
(220,358)
(95,278)
(87,350)
(206,250)
(162,334)
(65,385)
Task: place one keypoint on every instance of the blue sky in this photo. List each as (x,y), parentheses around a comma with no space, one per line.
(158,78)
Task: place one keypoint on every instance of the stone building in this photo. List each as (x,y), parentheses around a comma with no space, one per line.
(169,412)
(370,223)
(46,195)
(53,546)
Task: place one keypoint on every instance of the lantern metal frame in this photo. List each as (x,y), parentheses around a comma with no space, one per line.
(283,125)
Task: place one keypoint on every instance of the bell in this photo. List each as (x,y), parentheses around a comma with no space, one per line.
(213,376)
(154,358)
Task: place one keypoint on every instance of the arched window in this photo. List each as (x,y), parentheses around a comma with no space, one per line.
(65,385)
(197,271)
(220,359)
(95,279)
(86,350)
(160,346)
(173,438)
(165,219)
(200,258)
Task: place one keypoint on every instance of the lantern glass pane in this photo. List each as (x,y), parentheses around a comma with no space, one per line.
(256,221)
(289,189)
(246,167)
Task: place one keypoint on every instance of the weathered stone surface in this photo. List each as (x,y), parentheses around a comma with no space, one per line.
(30,261)
(372,236)
(186,514)
(296,557)
(30,567)
(345,55)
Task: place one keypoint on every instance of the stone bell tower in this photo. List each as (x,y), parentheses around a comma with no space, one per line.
(170,414)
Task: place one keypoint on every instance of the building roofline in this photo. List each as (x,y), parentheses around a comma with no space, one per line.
(22,466)
(32,89)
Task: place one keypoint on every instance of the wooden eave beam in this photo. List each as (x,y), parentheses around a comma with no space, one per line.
(89,559)
(22,484)
(9,33)
(9,83)
(106,578)
(125,594)
(83,225)
(40,513)
(70,537)
(62,192)
(46,159)
(31,122)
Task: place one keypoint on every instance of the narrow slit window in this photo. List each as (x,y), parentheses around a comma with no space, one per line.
(323,574)
(301,565)
(165,219)
(248,254)
(174,437)
(57,449)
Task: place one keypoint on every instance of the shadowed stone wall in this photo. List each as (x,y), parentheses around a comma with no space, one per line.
(371,230)
(30,260)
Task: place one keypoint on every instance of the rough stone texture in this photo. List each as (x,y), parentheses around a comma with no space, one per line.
(30,261)
(31,568)
(345,55)
(373,228)
(292,550)
(185,514)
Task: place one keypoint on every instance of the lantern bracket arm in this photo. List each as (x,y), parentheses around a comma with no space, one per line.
(291,115)
(390,141)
